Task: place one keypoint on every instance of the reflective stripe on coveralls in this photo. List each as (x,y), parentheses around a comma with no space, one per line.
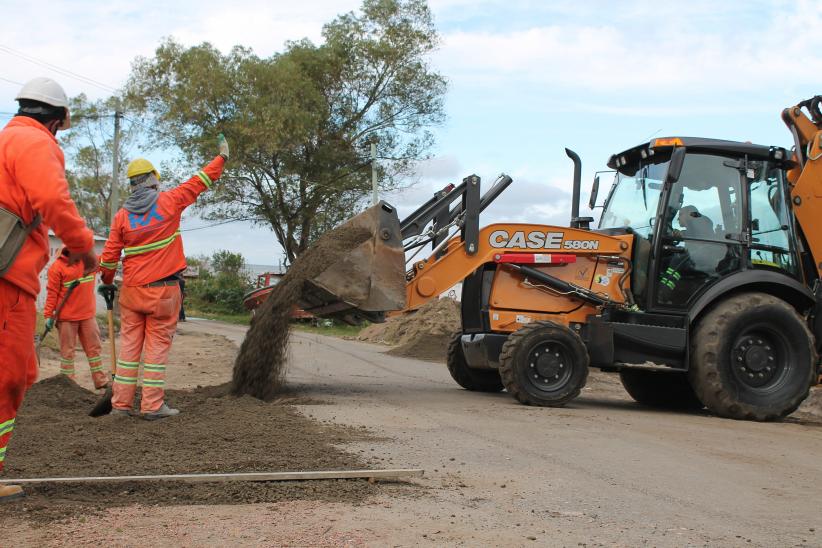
(148,320)
(670,278)
(89,334)
(67,366)
(18,360)
(92,364)
(84,280)
(165,242)
(126,372)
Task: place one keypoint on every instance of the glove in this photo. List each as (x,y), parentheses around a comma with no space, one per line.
(106,289)
(223,146)
(49,323)
(89,260)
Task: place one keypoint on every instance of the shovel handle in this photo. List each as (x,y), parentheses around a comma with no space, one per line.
(110,315)
(108,291)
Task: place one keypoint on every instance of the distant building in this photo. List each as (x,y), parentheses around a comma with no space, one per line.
(254,270)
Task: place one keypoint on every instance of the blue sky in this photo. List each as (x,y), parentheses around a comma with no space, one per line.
(527,78)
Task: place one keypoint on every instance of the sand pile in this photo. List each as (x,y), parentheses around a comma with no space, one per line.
(259,370)
(216,432)
(423,334)
(812,406)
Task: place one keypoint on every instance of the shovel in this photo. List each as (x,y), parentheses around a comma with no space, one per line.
(57,311)
(103,406)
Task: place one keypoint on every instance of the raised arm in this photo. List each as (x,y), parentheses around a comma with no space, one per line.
(186,193)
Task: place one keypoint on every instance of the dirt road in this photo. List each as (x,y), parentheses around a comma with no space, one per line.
(601,471)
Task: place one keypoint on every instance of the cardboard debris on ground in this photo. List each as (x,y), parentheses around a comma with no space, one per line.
(423,334)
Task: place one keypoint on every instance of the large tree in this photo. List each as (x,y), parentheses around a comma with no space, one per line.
(89,146)
(301,122)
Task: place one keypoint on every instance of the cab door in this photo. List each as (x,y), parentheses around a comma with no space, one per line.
(701,237)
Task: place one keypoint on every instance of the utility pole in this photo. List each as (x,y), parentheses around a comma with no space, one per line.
(375,198)
(115,167)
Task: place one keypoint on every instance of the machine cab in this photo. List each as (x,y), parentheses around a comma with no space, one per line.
(701,210)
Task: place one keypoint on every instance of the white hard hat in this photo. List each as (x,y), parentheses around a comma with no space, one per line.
(46,91)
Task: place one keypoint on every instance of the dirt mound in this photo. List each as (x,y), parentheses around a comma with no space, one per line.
(216,432)
(423,334)
(812,406)
(259,370)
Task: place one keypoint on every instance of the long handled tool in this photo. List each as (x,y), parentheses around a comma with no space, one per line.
(56,316)
(103,406)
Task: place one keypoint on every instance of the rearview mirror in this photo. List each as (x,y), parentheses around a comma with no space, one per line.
(592,201)
(675,165)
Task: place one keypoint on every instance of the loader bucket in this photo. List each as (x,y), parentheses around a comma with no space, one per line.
(368,280)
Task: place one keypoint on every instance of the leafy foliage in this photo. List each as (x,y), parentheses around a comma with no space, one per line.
(89,146)
(223,291)
(301,122)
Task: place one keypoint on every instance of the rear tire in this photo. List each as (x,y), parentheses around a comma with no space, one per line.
(660,389)
(752,357)
(476,380)
(544,364)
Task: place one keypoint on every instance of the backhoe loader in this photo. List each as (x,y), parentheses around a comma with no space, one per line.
(700,285)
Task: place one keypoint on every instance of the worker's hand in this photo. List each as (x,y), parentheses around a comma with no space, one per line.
(223,146)
(107,276)
(106,289)
(89,260)
(49,323)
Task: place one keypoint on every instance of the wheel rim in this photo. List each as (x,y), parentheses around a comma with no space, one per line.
(761,358)
(549,366)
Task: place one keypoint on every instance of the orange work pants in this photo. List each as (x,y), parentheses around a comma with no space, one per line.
(89,333)
(18,362)
(148,320)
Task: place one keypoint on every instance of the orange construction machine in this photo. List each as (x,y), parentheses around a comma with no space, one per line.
(700,284)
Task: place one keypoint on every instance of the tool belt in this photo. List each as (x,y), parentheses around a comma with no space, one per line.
(13,234)
(174,279)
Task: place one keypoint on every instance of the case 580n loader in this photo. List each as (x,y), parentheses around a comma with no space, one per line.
(700,285)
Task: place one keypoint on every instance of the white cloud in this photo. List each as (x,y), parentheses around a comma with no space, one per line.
(659,52)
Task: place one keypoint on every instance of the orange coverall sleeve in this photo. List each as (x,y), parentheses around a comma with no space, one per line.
(186,193)
(112,250)
(39,170)
(53,288)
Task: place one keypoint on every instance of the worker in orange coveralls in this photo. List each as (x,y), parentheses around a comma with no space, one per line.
(77,317)
(147,232)
(33,187)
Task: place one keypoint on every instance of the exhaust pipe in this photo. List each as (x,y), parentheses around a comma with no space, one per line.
(576,220)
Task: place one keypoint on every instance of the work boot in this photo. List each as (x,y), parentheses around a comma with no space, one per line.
(163,412)
(9,493)
(121,413)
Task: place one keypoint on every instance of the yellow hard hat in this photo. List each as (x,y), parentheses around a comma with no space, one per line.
(141,166)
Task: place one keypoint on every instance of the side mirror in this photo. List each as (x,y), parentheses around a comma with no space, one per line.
(592,201)
(675,165)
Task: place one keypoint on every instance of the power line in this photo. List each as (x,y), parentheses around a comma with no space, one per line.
(11,81)
(59,70)
(218,224)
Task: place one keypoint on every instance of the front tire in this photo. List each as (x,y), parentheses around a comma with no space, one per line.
(544,364)
(476,380)
(752,357)
(662,389)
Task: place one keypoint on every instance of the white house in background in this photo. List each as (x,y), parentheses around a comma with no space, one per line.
(55,245)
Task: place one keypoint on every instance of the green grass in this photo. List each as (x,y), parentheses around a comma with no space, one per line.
(335,330)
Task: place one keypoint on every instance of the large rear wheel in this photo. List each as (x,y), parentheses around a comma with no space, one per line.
(545,364)
(477,380)
(752,357)
(664,389)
